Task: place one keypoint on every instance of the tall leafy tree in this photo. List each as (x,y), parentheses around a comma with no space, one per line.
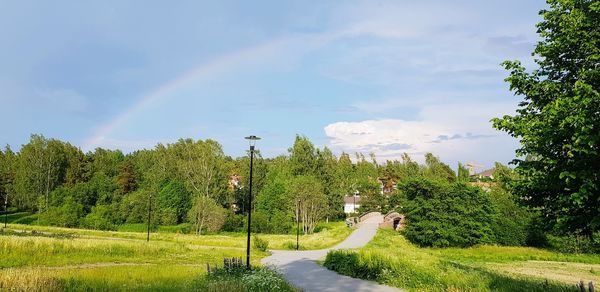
(558,122)
(303,157)
(40,168)
(309,204)
(462,173)
(437,169)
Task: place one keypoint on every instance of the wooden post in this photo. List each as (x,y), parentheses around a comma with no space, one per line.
(591,286)
(581,286)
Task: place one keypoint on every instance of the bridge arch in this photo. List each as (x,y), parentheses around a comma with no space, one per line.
(369,214)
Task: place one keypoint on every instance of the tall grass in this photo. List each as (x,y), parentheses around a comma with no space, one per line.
(16,251)
(331,234)
(392,260)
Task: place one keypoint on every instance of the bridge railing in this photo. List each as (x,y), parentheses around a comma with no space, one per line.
(368,215)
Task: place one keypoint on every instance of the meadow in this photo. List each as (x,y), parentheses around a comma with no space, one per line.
(391,259)
(64,259)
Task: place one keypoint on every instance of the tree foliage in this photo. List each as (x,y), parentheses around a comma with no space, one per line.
(558,122)
(444,214)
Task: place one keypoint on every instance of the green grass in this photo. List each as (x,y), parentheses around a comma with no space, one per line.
(14,216)
(36,258)
(331,234)
(390,259)
(54,263)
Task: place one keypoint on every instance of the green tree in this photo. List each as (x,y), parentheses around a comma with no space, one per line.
(510,220)
(174,197)
(206,214)
(40,168)
(199,166)
(327,171)
(437,169)
(307,201)
(463,173)
(558,123)
(303,157)
(444,214)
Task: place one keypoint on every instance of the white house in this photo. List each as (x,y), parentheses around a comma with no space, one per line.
(351,204)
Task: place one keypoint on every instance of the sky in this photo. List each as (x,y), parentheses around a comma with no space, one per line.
(385,77)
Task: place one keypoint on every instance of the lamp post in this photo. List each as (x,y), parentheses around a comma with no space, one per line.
(355,194)
(252,141)
(297,224)
(149,210)
(5,208)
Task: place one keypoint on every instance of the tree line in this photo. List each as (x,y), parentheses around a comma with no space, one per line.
(191,182)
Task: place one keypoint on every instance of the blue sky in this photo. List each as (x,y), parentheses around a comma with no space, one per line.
(372,76)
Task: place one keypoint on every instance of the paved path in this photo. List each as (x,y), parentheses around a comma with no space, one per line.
(301,270)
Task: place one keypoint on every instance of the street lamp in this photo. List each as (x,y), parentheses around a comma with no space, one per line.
(5,208)
(252,141)
(297,224)
(149,210)
(355,195)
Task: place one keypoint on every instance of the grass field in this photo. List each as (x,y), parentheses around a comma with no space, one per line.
(57,259)
(389,258)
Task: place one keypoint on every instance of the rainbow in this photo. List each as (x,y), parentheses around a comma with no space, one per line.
(218,65)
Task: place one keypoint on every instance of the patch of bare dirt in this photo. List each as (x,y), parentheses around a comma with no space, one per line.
(566,272)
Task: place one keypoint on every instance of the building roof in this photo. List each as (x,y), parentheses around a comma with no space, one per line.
(350,200)
(486,173)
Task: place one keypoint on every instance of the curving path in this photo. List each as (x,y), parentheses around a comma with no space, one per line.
(301,270)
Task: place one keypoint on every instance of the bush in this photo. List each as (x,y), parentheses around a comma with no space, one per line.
(241,279)
(510,223)
(234,222)
(536,237)
(180,228)
(168,216)
(264,279)
(443,214)
(66,215)
(260,222)
(261,244)
(206,215)
(356,265)
(100,218)
(572,243)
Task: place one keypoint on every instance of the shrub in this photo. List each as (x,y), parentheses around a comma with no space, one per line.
(260,222)
(510,221)
(264,279)
(66,215)
(168,216)
(363,266)
(180,228)
(99,218)
(261,244)
(234,222)
(443,214)
(536,237)
(572,243)
(206,214)
(241,279)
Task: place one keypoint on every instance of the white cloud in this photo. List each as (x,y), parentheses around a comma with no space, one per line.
(455,132)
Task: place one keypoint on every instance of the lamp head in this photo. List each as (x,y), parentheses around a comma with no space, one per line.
(252,140)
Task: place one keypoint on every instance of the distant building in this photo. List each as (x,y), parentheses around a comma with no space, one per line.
(485,174)
(387,186)
(234,182)
(351,204)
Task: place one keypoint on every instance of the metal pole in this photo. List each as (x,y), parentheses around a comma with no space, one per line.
(297,225)
(149,210)
(249,208)
(5,209)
